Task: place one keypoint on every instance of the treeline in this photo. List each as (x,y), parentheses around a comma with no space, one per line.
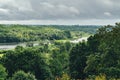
(84,28)
(24,33)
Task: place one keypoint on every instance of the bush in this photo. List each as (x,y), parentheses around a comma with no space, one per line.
(3,73)
(21,75)
(101,77)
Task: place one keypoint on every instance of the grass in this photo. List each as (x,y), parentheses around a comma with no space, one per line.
(1,55)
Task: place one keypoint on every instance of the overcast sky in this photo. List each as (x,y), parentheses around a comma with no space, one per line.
(60,11)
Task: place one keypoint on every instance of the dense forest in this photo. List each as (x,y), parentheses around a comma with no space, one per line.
(22,33)
(85,28)
(26,33)
(98,58)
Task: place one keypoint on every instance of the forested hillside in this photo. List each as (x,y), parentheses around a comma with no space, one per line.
(85,28)
(98,58)
(25,33)
(22,33)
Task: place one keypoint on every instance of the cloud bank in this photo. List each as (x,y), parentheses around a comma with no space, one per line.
(55,10)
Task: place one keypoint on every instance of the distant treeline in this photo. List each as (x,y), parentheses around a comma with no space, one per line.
(25,33)
(85,28)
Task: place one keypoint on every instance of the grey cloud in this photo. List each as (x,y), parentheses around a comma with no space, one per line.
(59,9)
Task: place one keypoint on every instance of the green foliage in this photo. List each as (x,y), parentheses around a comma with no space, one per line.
(23,33)
(21,75)
(26,33)
(68,46)
(27,60)
(19,49)
(65,77)
(58,63)
(30,76)
(92,64)
(105,52)
(101,77)
(100,56)
(3,73)
(88,29)
(78,61)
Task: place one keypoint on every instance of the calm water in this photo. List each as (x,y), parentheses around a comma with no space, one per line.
(13,45)
(10,46)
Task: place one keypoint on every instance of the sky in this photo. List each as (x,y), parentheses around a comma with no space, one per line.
(83,12)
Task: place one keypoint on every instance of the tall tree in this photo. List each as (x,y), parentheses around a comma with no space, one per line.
(21,75)
(3,73)
(29,61)
(78,61)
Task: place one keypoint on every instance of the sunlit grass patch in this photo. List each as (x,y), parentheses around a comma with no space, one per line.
(1,55)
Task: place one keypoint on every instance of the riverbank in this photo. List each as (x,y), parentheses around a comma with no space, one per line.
(8,46)
(79,40)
